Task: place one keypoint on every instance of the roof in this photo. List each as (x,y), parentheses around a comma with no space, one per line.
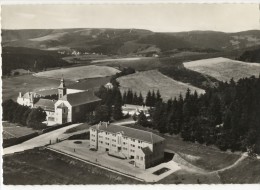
(62,83)
(81,98)
(47,92)
(46,104)
(146,150)
(130,132)
(62,105)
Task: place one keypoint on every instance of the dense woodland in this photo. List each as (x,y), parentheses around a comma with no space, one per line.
(29,59)
(226,116)
(23,115)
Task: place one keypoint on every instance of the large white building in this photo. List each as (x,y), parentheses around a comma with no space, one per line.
(145,148)
(62,105)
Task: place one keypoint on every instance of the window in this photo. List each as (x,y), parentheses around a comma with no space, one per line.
(107,138)
(133,140)
(125,148)
(137,157)
(107,143)
(93,140)
(132,145)
(113,140)
(139,141)
(113,145)
(141,158)
(139,147)
(124,143)
(114,135)
(100,137)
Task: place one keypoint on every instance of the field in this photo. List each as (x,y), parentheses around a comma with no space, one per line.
(224,69)
(248,170)
(139,64)
(44,167)
(12,86)
(11,130)
(77,73)
(154,80)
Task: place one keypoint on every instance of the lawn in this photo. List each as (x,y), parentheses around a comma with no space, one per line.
(77,73)
(44,167)
(224,69)
(154,80)
(185,177)
(11,130)
(205,157)
(246,172)
(78,128)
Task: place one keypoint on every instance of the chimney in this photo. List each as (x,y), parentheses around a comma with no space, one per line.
(20,94)
(106,124)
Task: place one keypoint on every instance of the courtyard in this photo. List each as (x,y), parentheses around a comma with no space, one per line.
(79,149)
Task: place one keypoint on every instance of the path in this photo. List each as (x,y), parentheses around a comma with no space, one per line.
(232,165)
(38,141)
(124,122)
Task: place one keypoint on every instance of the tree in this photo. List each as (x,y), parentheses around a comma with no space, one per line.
(117,111)
(37,115)
(158,96)
(102,113)
(148,100)
(142,119)
(140,99)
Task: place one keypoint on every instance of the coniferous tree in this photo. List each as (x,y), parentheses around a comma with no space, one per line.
(148,100)
(117,111)
(140,99)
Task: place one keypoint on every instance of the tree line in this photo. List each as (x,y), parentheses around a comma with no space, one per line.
(23,115)
(226,116)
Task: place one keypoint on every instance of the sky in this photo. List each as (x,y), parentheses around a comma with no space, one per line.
(155,17)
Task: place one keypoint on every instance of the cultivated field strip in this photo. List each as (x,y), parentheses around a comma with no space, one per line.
(154,80)
(224,69)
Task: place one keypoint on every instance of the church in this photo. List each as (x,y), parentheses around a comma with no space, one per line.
(62,105)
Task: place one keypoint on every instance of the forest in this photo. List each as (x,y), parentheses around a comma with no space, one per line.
(226,116)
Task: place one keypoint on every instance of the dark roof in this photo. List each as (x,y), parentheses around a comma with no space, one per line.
(130,132)
(146,150)
(45,104)
(81,98)
(47,92)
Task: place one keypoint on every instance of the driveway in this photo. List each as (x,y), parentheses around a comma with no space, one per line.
(40,140)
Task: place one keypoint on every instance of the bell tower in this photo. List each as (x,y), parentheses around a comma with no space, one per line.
(62,90)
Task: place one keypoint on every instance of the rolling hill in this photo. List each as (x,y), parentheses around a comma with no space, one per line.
(154,80)
(224,69)
(129,41)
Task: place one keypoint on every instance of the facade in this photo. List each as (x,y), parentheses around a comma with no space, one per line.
(62,105)
(144,148)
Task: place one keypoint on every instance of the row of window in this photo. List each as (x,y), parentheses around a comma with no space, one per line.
(141,158)
(107,138)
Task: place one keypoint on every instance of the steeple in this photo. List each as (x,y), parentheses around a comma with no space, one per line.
(62,90)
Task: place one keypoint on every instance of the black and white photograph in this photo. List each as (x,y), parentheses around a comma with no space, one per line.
(133,94)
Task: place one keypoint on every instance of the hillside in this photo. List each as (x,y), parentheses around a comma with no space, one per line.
(29,59)
(251,56)
(154,80)
(78,73)
(224,69)
(129,41)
